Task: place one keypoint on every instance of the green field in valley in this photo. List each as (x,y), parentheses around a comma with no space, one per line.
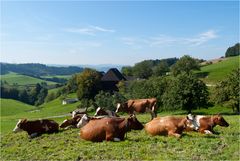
(67,145)
(13,78)
(218,71)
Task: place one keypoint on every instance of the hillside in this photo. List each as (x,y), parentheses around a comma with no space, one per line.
(38,69)
(12,107)
(216,72)
(20,79)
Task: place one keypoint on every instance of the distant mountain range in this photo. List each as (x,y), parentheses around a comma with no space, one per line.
(98,67)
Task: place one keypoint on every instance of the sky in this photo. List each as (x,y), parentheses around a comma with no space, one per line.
(115,32)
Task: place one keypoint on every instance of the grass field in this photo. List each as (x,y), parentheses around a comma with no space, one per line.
(12,78)
(219,71)
(66,145)
(58,76)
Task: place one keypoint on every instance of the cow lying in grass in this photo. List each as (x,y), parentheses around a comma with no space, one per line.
(109,129)
(36,127)
(168,125)
(72,122)
(139,106)
(101,112)
(205,124)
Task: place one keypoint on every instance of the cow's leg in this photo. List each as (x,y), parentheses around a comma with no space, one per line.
(171,133)
(109,136)
(207,132)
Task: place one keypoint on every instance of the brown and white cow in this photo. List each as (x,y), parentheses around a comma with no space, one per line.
(78,111)
(36,127)
(205,124)
(101,112)
(168,125)
(139,105)
(109,128)
(72,122)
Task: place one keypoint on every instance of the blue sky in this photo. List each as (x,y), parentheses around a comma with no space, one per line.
(79,32)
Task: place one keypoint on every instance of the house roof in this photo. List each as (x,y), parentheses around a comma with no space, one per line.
(113,75)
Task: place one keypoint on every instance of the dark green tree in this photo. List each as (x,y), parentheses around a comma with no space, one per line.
(143,69)
(227,92)
(185,64)
(88,84)
(161,69)
(233,51)
(127,71)
(185,92)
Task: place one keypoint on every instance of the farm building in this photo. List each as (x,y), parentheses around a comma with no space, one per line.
(110,80)
(69,101)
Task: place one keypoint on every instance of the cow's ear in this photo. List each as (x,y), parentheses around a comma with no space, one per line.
(24,120)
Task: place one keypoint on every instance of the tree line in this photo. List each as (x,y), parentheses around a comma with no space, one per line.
(35,69)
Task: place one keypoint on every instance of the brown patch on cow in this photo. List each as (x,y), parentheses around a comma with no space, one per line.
(107,129)
(139,106)
(168,125)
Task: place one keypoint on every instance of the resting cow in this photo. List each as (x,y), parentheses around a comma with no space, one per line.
(71,123)
(101,112)
(139,105)
(109,129)
(205,124)
(78,111)
(36,127)
(168,125)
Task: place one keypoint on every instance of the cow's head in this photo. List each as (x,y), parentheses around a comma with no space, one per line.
(219,120)
(84,120)
(19,125)
(66,123)
(192,122)
(133,123)
(100,111)
(121,107)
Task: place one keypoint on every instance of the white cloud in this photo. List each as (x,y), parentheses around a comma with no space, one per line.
(90,30)
(170,40)
(202,38)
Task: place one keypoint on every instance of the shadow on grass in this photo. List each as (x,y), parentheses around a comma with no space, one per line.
(202,74)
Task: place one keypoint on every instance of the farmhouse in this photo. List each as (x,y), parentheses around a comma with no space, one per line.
(111,79)
(69,101)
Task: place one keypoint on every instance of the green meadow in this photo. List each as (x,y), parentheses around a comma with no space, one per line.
(15,78)
(67,145)
(218,71)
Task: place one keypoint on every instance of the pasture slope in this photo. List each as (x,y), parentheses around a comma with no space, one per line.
(20,79)
(218,71)
(66,145)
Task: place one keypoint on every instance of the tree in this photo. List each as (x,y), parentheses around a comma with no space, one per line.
(143,69)
(185,64)
(233,51)
(185,92)
(161,69)
(127,71)
(88,84)
(227,92)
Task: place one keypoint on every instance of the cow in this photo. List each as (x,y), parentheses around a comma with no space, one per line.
(78,111)
(72,122)
(36,127)
(85,119)
(205,124)
(101,112)
(168,125)
(109,128)
(139,105)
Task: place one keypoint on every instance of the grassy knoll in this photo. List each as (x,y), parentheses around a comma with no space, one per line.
(12,78)
(66,145)
(218,71)
(12,110)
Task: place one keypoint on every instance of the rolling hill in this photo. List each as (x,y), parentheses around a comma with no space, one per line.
(13,78)
(216,72)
